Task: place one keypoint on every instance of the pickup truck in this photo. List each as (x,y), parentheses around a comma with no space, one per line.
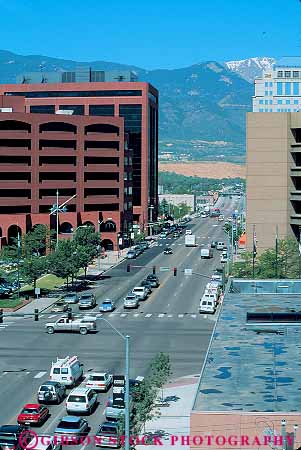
(82,326)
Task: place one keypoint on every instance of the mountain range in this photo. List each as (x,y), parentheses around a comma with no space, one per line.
(206,101)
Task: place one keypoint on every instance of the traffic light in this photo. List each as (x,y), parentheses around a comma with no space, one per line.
(1,315)
(154,270)
(175,270)
(128,268)
(36,315)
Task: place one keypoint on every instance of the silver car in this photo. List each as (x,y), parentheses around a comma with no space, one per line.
(131,301)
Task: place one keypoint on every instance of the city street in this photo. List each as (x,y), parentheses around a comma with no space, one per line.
(167,321)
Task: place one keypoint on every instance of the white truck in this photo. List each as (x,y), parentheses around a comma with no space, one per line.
(82,326)
(190,240)
(206,253)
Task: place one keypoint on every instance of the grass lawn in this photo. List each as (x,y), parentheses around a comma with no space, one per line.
(48,282)
(9,303)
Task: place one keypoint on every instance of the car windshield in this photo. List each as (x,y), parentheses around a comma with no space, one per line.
(69,297)
(77,399)
(59,304)
(68,425)
(107,303)
(29,411)
(96,378)
(45,388)
(107,429)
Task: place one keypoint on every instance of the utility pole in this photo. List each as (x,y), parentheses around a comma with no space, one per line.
(18,262)
(151,207)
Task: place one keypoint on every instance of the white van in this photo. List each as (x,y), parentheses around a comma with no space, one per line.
(207,306)
(214,288)
(206,253)
(81,400)
(210,295)
(220,245)
(66,371)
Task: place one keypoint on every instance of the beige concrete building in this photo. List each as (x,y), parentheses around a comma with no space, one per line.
(273,177)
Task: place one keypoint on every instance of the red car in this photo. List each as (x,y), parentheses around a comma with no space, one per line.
(34,414)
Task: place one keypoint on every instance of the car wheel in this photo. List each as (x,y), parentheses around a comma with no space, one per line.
(83,330)
(50,330)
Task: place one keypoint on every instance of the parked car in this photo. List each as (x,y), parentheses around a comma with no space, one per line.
(131,301)
(224,258)
(213,244)
(87,301)
(51,392)
(70,298)
(167,251)
(221,218)
(163,235)
(34,414)
(99,381)
(60,306)
(220,245)
(81,400)
(207,305)
(188,232)
(107,306)
(108,435)
(131,254)
(138,249)
(154,280)
(71,426)
(141,292)
(144,244)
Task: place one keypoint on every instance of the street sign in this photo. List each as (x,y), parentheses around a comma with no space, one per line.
(37,291)
(118,390)
(188,272)
(132,235)
(120,241)
(164,269)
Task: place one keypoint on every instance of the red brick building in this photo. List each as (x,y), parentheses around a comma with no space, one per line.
(81,156)
(136,102)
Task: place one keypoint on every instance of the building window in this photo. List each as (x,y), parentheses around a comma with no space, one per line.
(280,74)
(78,110)
(295,88)
(42,109)
(271,110)
(278,110)
(287,74)
(295,74)
(271,102)
(266,93)
(287,88)
(271,84)
(266,84)
(266,102)
(287,102)
(261,102)
(271,92)
(260,110)
(101,110)
(296,102)
(279,102)
(289,110)
(279,88)
(266,110)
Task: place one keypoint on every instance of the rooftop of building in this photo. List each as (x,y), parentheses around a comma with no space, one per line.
(254,366)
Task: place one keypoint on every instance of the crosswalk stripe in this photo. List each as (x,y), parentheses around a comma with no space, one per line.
(136,315)
(161,315)
(111,315)
(53,315)
(180,316)
(123,315)
(169,315)
(193,316)
(148,315)
(40,374)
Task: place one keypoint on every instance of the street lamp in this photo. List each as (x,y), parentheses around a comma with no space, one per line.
(127,382)
(56,209)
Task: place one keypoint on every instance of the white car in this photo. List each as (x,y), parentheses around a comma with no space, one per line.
(224,258)
(99,381)
(188,232)
(204,215)
(221,218)
(220,245)
(141,292)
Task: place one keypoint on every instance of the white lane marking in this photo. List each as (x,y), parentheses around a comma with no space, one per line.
(193,316)
(136,315)
(111,315)
(203,237)
(169,315)
(53,315)
(161,315)
(99,315)
(123,315)
(148,315)
(3,326)
(40,374)
(180,316)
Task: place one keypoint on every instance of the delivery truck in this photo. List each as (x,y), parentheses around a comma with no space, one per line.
(190,240)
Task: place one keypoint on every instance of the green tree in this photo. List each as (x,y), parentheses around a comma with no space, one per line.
(33,267)
(63,261)
(160,370)
(37,241)
(144,403)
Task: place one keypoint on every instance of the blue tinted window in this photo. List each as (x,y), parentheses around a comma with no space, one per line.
(295,88)
(260,110)
(287,102)
(261,102)
(271,84)
(287,88)
(278,110)
(266,92)
(271,92)
(271,102)
(266,102)
(271,110)
(296,102)
(279,88)
(279,102)
(266,84)
(289,110)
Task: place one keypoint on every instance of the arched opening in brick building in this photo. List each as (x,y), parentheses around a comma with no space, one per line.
(66,228)
(89,224)
(12,234)
(110,226)
(107,244)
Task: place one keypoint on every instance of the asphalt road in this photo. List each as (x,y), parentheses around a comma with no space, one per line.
(168,321)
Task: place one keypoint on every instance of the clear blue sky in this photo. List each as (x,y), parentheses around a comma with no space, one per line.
(151,34)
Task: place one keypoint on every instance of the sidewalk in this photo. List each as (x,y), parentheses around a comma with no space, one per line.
(113,259)
(175,419)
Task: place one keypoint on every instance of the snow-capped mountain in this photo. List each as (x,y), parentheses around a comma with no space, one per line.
(250,68)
